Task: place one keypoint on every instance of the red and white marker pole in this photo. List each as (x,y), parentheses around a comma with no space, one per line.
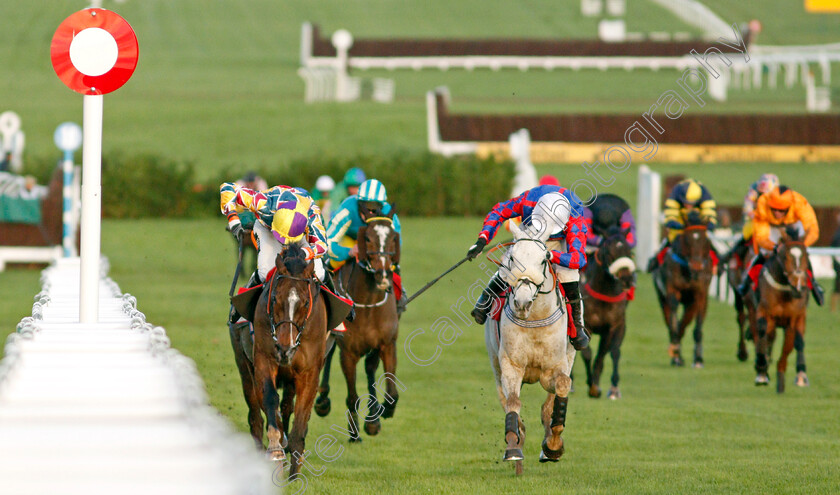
(94,52)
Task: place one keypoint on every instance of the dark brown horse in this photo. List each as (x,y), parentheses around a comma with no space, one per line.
(738,260)
(683,280)
(373,331)
(287,351)
(782,301)
(610,275)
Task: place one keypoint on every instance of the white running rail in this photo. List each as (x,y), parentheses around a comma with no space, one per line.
(110,407)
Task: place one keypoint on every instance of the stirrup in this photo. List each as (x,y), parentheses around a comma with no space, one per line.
(580,341)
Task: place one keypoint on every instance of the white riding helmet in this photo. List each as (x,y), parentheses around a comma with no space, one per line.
(324,183)
(551,213)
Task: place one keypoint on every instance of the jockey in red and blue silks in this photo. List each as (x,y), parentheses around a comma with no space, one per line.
(569,230)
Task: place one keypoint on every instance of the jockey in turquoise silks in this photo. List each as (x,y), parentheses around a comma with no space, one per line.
(343,228)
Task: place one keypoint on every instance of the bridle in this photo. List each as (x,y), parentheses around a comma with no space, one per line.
(784,284)
(544,266)
(365,263)
(272,286)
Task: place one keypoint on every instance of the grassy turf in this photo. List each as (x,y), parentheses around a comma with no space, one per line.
(674,431)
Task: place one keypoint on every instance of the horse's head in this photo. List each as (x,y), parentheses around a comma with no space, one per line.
(291,295)
(792,255)
(526,269)
(694,246)
(617,256)
(379,248)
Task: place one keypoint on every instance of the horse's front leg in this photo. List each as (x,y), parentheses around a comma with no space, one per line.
(799,345)
(266,375)
(700,316)
(374,409)
(764,324)
(558,384)
(388,353)
(348,367)
(512,375)
(617,334)
(246,375)
(670,309)
(287,405)
(306,387)
(741,316)
(787,348)
(322,403)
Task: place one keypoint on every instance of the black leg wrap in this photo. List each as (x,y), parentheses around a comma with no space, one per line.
(512,424)
(558,414)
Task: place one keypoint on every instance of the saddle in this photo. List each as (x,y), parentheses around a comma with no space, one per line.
(245,302)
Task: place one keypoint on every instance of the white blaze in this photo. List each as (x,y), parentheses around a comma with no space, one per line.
(292,300)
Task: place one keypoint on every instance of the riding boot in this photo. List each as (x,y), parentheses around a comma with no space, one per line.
(493,290)
(330,284)
(653,262)
(816,289)
(746,281)
(572,291)
(252,282)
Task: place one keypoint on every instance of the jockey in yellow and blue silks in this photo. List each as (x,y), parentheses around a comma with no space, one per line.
(686,197)
(370,201)
(284,215)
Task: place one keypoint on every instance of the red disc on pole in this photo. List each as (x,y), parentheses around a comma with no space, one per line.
(94,51)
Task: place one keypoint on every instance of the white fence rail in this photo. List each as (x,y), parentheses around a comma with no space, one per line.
(110,407)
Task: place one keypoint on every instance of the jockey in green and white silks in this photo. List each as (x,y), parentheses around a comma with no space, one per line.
(372,201)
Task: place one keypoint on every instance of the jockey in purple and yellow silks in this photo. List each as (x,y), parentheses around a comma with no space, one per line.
(560,211)
(284,215)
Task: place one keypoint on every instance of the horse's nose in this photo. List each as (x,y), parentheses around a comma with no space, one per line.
(285,354)
(522,306)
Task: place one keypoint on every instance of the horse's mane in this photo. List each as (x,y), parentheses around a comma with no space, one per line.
(694,218)
(294,258)
(792,233)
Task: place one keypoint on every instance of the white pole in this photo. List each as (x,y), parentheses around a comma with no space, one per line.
(91,208)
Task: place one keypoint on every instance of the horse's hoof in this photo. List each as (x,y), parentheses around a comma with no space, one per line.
(802,379)
(355,440)
(677,361)
(276,455)
(762,379)
(698,365)
(372,428)
(513,455)
(742,355)
(595,391)
(322,406)
(614,393)
(551,455)
(388,409)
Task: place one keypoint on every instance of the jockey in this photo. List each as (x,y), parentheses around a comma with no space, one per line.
(552,205)
(370,201)
(353,178)
(775,211)
(606,212)
(284,215)
(764,184)
(686,197)
(324,185)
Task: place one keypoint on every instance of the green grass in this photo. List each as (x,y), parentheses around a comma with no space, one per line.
(674,430)
(216,82)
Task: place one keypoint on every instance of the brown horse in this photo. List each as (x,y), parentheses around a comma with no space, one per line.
(287,351)
(683,279)
(609,280)
(373,331)
(782,301)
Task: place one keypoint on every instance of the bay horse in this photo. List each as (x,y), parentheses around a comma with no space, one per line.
(287,351)
(368,281)
(683,279)
(782,301)
(606,292)
(529,344)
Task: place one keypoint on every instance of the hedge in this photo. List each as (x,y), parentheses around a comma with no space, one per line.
(420,183)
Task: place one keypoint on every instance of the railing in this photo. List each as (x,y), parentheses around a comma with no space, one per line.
(110,407)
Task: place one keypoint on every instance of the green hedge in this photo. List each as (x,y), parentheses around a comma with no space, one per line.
(420,183)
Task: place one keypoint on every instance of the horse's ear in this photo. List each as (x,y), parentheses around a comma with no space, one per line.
(392,211)
(278,262)
(309,270)
(361,242)
(397,249)
(792,232)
